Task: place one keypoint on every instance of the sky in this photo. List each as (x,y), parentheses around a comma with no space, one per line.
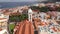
(19,0)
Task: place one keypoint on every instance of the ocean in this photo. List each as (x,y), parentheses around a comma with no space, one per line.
(14,4)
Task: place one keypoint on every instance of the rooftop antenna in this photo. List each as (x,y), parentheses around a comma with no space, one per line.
(30,14)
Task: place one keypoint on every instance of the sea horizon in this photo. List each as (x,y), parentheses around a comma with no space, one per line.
(14,4)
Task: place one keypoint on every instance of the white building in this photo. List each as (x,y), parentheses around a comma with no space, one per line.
(3,23)
(30,15)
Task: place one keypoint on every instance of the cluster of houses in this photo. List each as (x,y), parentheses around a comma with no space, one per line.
(32,14)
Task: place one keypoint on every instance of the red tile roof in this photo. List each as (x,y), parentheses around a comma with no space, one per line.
(25,28)
(0,29)
(35,10)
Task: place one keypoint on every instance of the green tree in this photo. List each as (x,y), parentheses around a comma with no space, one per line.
(23,17)
(58,9)
(41,9)
(44,9)
(17,18)
(34,7)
